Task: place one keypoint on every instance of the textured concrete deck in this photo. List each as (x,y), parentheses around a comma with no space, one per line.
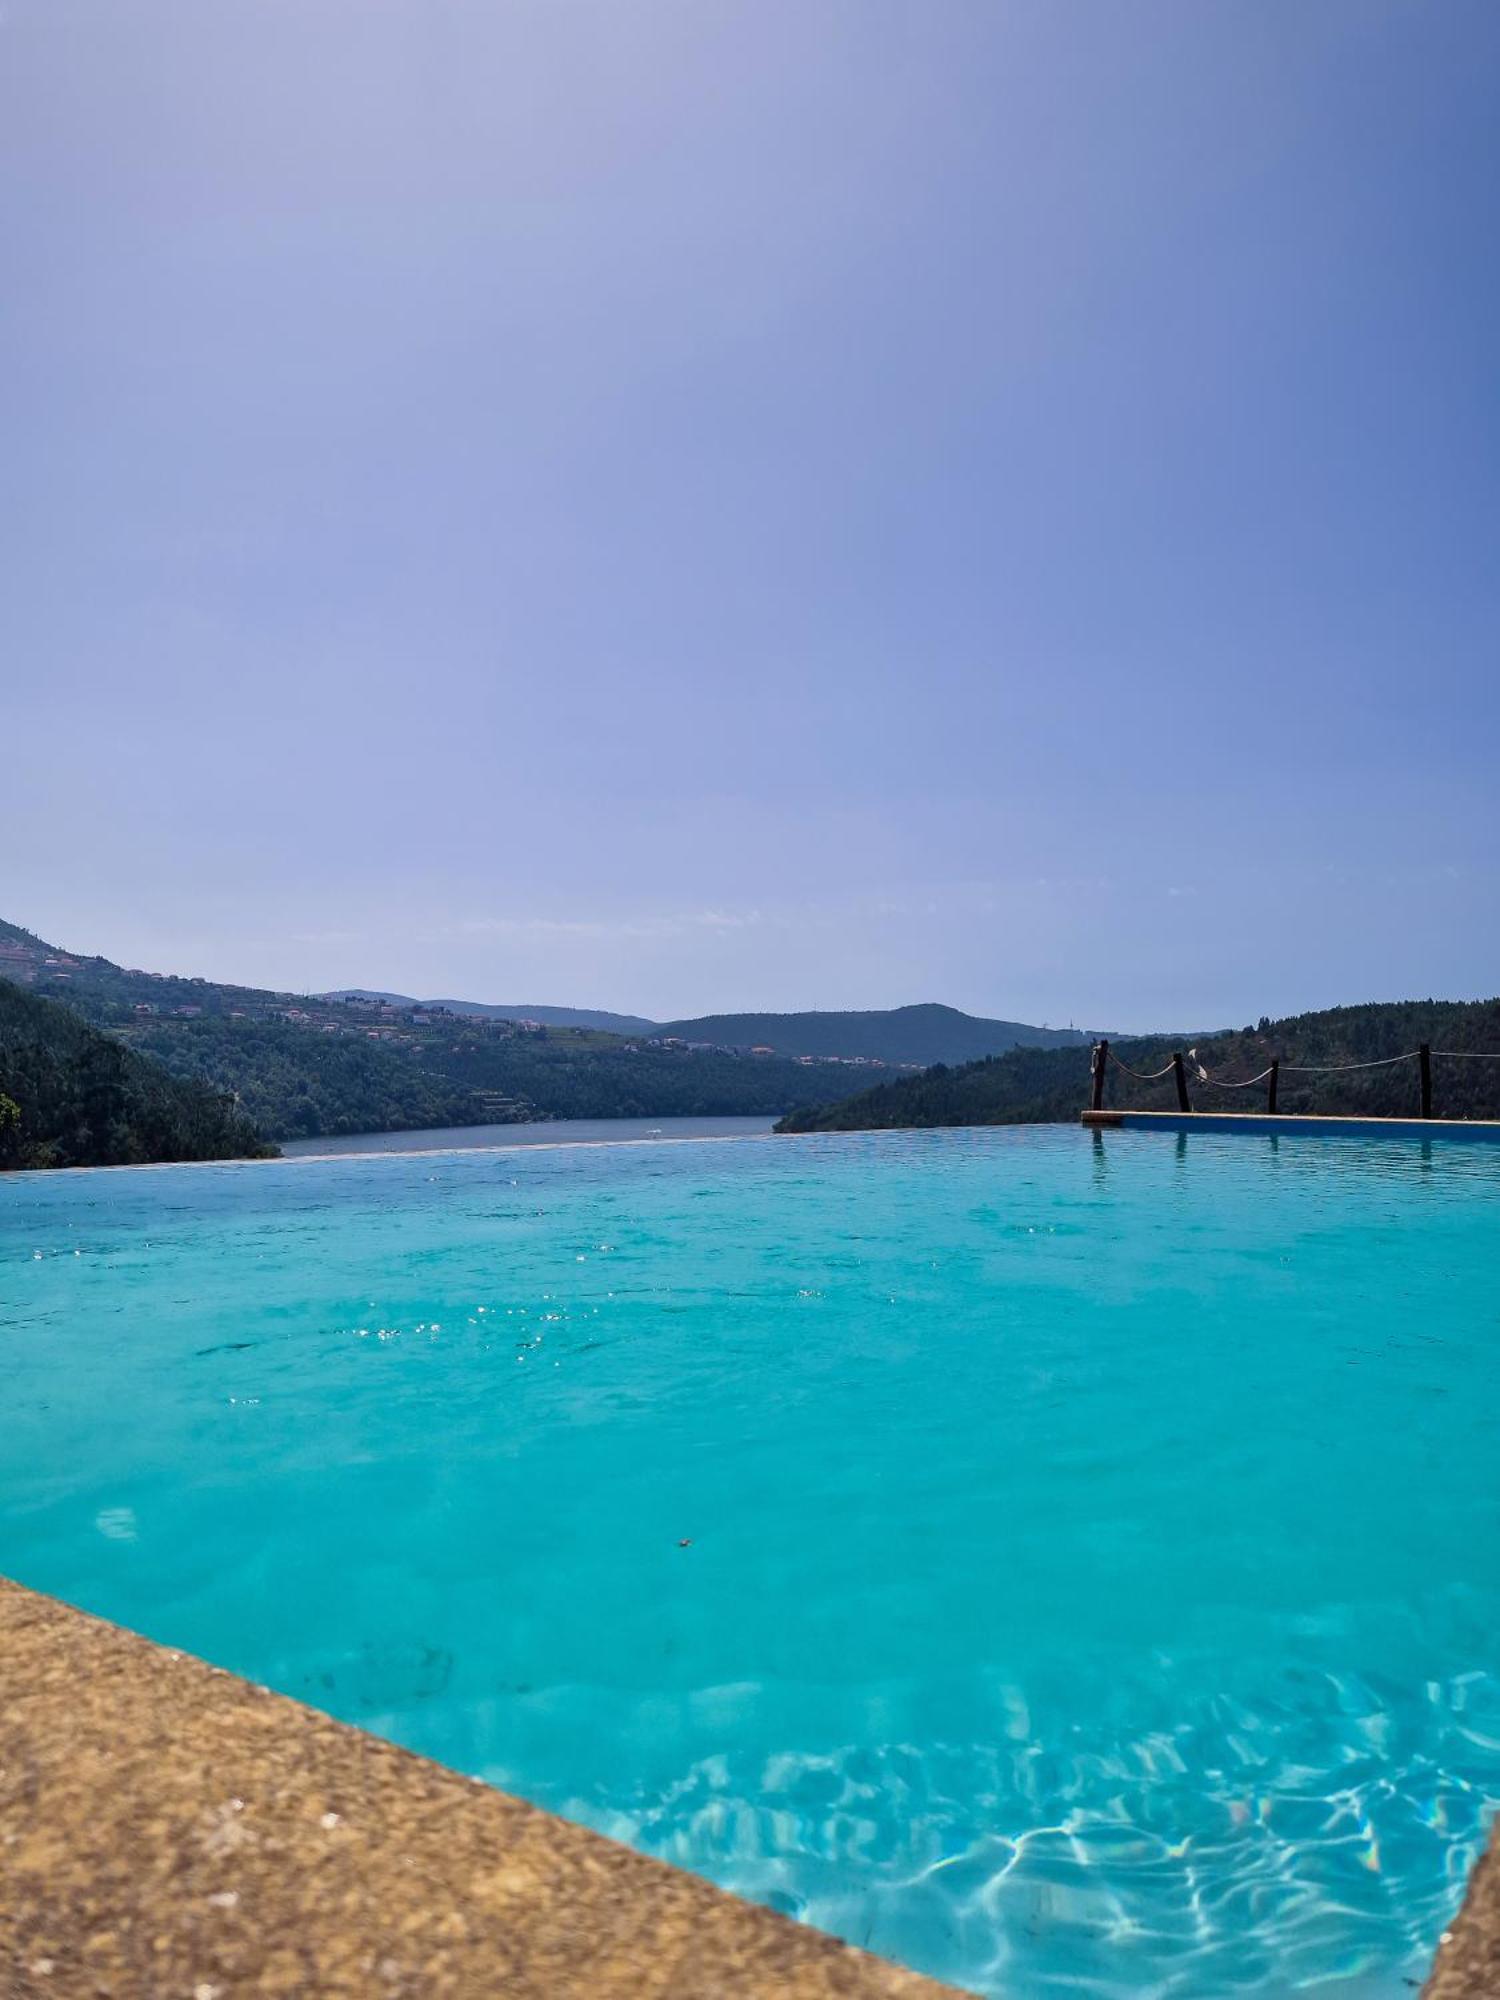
(169,1832)
(1468,1960)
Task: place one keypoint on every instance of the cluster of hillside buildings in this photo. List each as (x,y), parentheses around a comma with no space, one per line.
(760,1049)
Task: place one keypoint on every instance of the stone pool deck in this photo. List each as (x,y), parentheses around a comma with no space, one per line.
(170,1832)
(1468,1961)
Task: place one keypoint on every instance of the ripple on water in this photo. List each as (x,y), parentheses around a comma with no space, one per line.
(1069,1567)
(1184,1862)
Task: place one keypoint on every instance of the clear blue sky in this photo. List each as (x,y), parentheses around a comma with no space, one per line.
(674,506)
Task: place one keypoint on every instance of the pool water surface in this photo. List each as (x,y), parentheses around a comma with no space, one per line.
(1067,1564)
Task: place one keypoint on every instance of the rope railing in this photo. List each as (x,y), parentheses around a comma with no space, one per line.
(1224,1083)
(1104,1058)
(1141,1076)
(1375,1062)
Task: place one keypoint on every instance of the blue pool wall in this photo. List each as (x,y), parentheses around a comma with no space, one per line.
(1303,1127)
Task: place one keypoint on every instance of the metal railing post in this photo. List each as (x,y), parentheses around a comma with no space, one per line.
(1179,1077)
(1098,1063)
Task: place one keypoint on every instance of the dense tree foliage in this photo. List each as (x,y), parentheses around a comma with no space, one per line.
(1030,1086)
(578,1074)
(298,1084)
(73,1097)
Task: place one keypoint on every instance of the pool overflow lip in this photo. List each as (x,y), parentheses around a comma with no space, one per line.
(1102,1058)
(170,1828)
(1305,1124)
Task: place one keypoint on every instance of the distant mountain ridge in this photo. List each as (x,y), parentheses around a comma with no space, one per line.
(910,1037)
(299,1066)
(914,1037)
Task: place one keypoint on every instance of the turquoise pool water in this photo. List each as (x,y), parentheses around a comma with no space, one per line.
(1068,1565)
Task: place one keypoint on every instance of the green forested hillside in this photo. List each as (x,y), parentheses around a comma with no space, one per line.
(72,1097)
(922,1034)
(581,1075)
(298,1082)
(304,1066)
(307,1065)
(1029,1086)
(297,1085)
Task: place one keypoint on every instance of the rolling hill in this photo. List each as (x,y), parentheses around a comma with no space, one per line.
(918,1035)
(483,1010)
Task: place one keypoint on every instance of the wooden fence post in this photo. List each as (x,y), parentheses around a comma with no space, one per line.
(1098,1064)
(1179,1077)
(1424,1064)
(1271,1086)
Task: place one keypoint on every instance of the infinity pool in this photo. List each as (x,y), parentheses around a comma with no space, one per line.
(1068,1565)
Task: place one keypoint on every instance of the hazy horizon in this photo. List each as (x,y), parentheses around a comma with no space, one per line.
(580,1003)
(693,509)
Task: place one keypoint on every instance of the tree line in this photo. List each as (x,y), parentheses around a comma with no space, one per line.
(72,1097)
(1041,1086)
